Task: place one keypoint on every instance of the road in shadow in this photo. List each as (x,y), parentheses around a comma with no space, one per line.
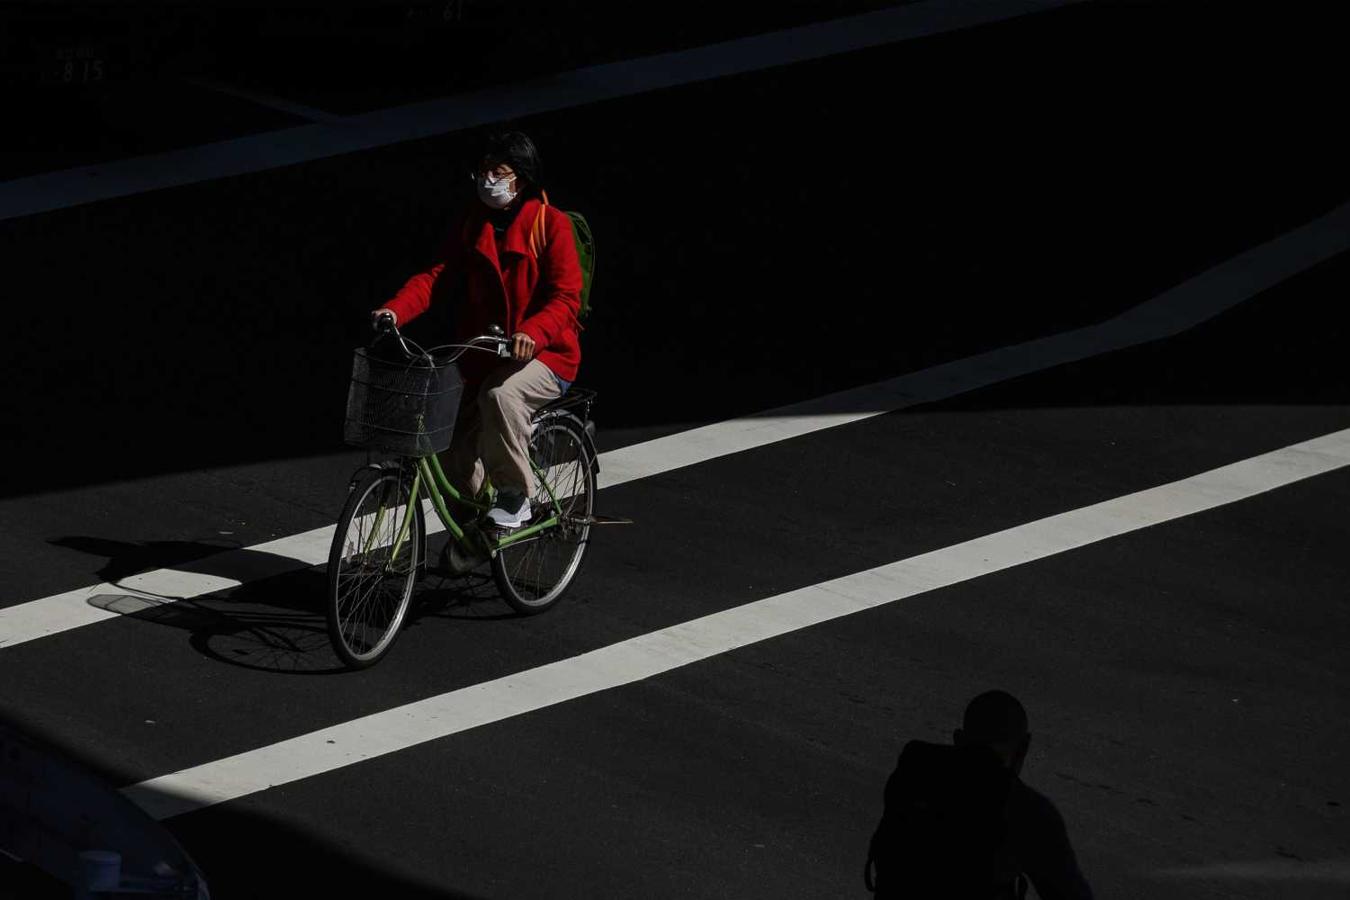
(205,61)
(57,804)
(1042,181)
(249,855)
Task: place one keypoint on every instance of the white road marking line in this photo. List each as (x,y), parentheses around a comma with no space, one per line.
(661,651)
(1172,312)
(75,609)
(280,104)
(257,153)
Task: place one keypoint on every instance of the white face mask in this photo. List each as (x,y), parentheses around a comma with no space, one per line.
(495,192)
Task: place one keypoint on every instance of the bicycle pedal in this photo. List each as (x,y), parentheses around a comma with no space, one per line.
(453,561)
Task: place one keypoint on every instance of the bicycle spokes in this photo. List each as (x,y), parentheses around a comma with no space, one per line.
(373,565)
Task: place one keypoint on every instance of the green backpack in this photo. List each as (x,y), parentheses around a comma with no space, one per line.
(581,233)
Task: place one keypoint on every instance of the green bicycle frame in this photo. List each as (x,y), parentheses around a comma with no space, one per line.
(438,487)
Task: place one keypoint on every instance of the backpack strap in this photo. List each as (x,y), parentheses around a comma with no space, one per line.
(539,240)
(538,237)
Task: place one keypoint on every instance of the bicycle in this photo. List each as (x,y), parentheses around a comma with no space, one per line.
(407,406)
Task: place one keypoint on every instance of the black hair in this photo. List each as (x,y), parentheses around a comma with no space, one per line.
(516,150)
(995,717)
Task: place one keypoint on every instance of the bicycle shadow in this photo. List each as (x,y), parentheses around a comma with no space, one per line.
(471,597)
(274,620)
(215,558)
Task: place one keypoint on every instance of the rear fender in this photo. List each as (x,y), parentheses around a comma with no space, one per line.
(575,404)
(587,429)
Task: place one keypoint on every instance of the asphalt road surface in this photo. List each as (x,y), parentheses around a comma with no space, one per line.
(1086,253)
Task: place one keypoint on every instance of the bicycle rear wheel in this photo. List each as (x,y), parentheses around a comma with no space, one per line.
(534,574)
(372,566)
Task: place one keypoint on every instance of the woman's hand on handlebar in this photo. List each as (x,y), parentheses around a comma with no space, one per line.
(522,347)
(382,319)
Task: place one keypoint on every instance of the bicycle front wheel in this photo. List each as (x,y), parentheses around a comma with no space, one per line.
(372,566)
(534,574)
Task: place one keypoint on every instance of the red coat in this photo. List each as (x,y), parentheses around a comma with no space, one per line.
(506,286)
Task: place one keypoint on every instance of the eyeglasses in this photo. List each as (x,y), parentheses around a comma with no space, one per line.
(495,175)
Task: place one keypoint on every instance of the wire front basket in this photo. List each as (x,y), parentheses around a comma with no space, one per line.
(402,406)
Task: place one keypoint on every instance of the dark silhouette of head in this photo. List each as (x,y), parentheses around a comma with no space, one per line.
(996,720)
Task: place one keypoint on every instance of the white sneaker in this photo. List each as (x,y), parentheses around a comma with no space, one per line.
(510,511)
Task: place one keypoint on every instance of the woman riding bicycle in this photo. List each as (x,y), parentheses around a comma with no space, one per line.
(509,260)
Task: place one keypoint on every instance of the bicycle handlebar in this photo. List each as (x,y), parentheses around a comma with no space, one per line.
(495,341)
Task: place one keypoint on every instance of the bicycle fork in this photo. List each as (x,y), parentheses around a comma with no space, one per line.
(404,530)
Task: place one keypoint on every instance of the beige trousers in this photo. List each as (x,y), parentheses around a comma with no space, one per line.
(492,429)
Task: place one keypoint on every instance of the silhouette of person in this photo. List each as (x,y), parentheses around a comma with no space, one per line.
(959,823)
